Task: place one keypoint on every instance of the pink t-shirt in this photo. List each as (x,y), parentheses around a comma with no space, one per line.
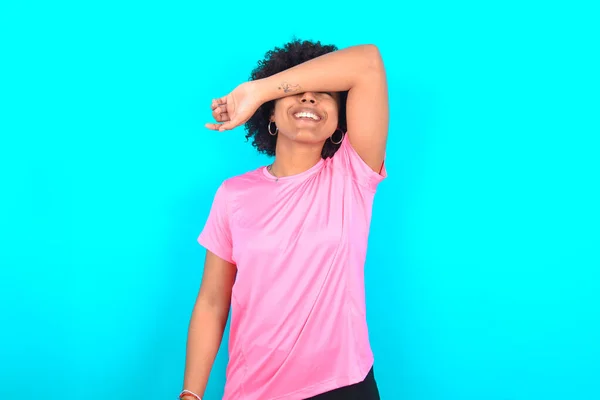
(298,317)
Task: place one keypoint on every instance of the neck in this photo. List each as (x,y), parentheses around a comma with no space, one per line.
(295,158)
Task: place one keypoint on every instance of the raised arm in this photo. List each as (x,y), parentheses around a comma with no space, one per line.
(358,70)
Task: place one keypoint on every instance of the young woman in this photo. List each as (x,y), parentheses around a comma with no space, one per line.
(286,243)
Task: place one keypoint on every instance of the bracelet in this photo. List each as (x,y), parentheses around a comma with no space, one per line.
(184,392)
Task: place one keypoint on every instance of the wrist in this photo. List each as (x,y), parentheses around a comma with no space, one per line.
(189,395)
(262,89)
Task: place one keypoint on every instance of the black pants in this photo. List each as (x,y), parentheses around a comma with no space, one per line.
(365,390)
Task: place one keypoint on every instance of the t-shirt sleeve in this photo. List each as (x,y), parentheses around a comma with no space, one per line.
(216,235)
(353,165)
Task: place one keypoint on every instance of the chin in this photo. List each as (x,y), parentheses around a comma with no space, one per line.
(309,137)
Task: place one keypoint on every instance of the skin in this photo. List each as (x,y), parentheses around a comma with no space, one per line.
(207,323)
(313,85)
(358,70)
(300,140)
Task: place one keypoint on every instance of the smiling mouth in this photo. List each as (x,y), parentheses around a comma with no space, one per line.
(307,116)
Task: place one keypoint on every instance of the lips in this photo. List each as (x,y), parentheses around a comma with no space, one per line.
(307,114)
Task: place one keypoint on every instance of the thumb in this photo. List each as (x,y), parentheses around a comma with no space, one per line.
(229,125)
(226,126)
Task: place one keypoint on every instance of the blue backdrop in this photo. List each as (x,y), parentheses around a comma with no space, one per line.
(482,276)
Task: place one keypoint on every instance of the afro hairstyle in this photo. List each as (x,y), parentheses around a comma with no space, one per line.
(277,60)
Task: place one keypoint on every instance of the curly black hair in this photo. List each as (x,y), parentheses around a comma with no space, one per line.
(277,60)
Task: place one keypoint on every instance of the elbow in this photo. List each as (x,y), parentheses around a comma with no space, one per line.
(373,61)
(371,47)
(216,304)
(372,51)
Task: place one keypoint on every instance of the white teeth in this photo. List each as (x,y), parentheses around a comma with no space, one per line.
(307,115)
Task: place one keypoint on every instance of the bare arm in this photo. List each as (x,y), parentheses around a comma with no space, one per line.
(358,70)
(208,321)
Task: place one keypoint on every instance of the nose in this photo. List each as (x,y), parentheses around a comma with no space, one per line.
(308,97)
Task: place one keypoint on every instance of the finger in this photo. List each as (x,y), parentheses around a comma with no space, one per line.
(218,102)
(229,125)
(221,109)
(220,116)
(213,127)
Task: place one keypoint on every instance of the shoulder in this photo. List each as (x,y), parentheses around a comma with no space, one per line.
(242,182)
(348,162)
(231,190)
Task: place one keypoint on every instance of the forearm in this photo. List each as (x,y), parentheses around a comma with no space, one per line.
(204,338)
(338,71)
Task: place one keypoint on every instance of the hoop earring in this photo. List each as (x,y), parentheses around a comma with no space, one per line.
(340,141)
(269,128)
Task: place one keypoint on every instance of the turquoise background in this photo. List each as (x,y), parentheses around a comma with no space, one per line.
(483,269)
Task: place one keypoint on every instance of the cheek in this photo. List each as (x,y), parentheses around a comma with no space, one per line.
(334,117)
(276,108)
(280,108)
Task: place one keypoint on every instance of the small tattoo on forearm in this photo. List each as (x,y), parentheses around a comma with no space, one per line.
(288,87)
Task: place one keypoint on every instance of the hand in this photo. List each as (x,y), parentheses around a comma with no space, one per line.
(236,108)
